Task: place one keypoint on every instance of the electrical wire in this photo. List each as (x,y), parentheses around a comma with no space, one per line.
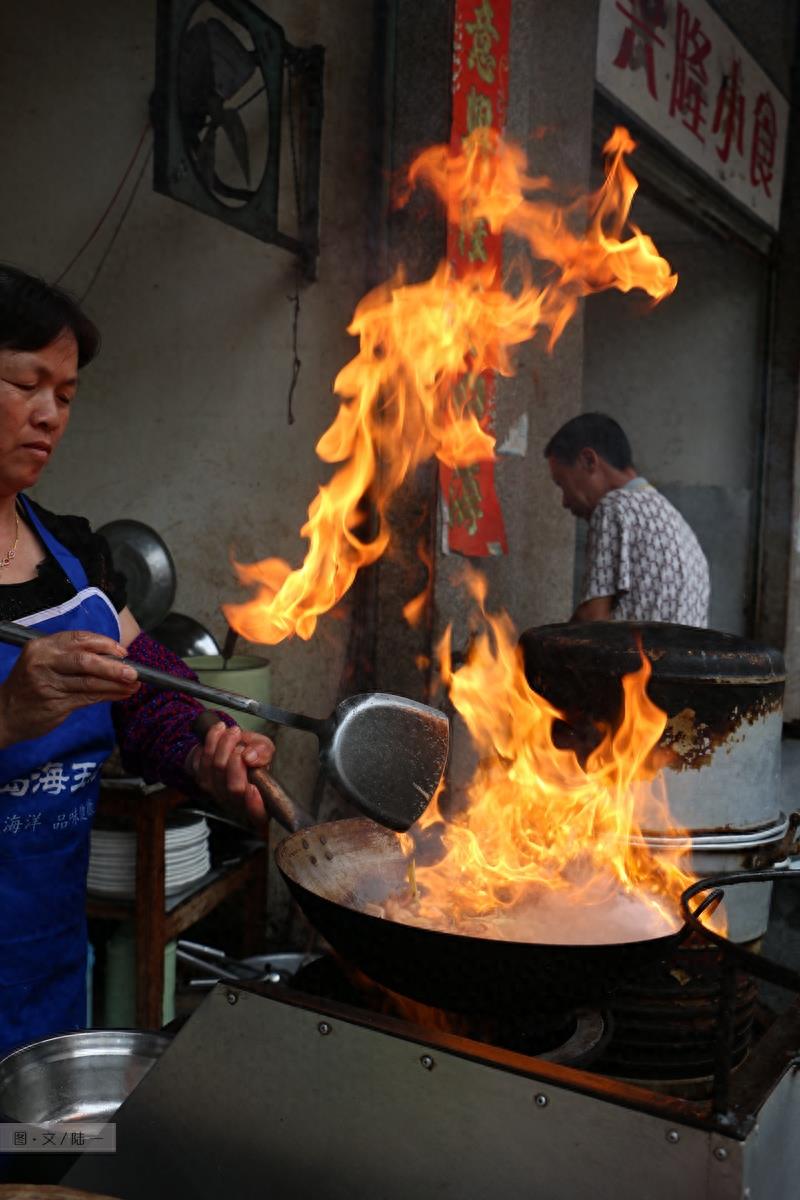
(294,299)
(99,224)
(120,223)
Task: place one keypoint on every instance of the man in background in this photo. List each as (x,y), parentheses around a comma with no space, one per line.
(643,562)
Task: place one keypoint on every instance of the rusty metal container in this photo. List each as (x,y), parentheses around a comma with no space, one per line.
(723,696)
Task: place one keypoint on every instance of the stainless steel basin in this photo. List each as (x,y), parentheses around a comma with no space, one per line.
(76,1076)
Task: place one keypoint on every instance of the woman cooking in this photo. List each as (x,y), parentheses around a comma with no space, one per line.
(66,697)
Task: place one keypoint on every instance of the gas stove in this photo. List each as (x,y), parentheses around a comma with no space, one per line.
(266,1092)
(661,1026)
(575,1038)
(276,1091)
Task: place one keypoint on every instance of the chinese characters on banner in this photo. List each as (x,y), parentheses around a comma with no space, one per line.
(473,519)
(679,68)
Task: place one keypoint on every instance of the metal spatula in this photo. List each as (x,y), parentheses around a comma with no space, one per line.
(385,753)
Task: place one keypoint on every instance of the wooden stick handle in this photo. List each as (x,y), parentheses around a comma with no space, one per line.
(278,803)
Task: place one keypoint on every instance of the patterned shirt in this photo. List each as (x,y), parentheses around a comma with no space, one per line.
(641,551)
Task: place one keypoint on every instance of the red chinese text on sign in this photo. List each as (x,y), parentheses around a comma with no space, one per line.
(641,36)
(690,76)
(682,71)
(762,152)
(729,112)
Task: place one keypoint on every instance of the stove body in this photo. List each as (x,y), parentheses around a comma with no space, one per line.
(274,1092)
(268,1093)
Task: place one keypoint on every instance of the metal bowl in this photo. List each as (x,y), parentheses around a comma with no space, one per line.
(144,559)
(76,1076)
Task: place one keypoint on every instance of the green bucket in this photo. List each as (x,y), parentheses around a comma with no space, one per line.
(120,990)
(246,673)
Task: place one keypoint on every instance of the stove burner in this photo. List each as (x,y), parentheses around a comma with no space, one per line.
(570,1039)
(592,1031)
(666,1019)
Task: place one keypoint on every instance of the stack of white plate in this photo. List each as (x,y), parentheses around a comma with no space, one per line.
(112,858)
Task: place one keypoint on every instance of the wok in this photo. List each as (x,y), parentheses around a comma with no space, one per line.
(334,870)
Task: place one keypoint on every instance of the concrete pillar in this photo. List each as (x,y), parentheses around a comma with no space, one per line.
(417,113)
(550,114)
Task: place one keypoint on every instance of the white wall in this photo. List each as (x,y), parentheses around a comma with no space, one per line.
(685,380)
(181,421)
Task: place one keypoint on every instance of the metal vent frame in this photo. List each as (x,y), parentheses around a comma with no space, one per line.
(174,172)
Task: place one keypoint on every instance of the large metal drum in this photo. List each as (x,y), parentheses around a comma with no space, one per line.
(723,697)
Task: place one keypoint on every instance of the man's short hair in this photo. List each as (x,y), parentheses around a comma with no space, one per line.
(594,431)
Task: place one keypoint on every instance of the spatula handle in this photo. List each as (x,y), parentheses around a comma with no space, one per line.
(287,812)
(278,803)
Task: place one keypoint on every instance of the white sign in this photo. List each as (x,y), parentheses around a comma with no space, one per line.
(676,65)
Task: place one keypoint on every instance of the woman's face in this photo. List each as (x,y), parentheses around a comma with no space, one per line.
(36,390)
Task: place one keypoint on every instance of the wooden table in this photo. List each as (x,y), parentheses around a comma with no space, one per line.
(159,919)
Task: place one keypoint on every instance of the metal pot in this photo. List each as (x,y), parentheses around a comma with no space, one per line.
(247,674)
(76,1076)
(723,697)
(746,908)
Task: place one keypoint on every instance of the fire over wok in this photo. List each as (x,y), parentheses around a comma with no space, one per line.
(535,814)
(341,872)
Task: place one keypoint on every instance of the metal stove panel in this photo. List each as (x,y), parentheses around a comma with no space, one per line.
(258,1096)
(772,1155)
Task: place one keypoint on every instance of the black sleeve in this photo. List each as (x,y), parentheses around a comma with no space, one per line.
(90,549)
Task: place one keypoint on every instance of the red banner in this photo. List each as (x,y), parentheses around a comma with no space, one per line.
(479,97)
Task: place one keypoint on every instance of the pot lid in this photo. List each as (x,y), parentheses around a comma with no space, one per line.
(676,652)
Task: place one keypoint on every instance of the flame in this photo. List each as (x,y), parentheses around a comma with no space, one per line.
(414,609)
(488,181)
(400,403)
(542,831)
(383,1000)
(540,828)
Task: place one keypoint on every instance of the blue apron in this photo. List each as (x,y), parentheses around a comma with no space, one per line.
(48,796)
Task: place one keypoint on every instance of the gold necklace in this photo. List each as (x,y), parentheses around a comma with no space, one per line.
(10,554)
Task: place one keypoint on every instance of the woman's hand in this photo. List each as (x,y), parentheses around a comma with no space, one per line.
(220,766)
(57,674)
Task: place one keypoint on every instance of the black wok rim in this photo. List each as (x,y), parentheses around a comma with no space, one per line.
(663,940)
